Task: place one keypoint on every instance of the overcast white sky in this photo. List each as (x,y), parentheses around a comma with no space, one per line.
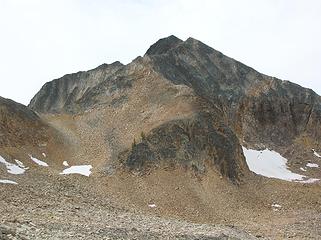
(42,40)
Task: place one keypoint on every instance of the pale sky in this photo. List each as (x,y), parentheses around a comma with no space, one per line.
(42,40)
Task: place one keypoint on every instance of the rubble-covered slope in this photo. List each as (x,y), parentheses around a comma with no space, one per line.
(27,140)
(21,126)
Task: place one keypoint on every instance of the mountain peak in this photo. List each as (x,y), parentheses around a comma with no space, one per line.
(163,45)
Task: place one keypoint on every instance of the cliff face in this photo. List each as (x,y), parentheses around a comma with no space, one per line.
(241,105)
(279,113)
(195,143)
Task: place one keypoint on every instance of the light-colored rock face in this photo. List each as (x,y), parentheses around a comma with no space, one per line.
(58,95)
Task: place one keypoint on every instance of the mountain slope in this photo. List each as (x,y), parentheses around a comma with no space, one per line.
(259,108)
(61,93)
(25,138)
(20,126)
(261,111)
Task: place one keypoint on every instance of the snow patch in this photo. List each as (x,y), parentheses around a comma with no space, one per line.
(39,162)
(303,169)
(276,207)
(7,182)
(312,165)
(20,164)
(152,205)
(316,154)
(271,164)
(43,154)
(81,169)
(65,163)
(310,180)
(12,168)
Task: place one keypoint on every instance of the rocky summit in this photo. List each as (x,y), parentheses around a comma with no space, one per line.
(182,137)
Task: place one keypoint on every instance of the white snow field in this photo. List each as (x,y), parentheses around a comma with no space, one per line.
(11,167)
(81,169)
(7,181)
(271,164)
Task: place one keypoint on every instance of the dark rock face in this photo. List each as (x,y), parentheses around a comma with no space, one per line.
(194,143)
(163,45)
(280,113)
(211,74)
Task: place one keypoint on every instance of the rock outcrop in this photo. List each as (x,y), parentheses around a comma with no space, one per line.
(280,112)
(194,143)
(60,94)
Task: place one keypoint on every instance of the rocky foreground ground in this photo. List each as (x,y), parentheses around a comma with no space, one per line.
(58,207)
(49,206)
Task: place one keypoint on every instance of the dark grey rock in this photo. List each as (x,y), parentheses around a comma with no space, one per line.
(163,45)
(194,143)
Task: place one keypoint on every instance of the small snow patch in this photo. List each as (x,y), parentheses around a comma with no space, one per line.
(303,169)
(20,164)
(12,168)
(276,207)
(8,182)
(43,154)
(65,163)
(39,162)
(316,154)
(309,180)
(312,165)
(81,169)
(152,205)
